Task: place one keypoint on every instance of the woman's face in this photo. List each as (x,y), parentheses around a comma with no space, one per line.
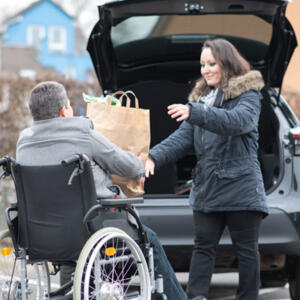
(210,69)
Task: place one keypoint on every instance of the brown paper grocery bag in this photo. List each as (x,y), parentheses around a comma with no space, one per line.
(128,128)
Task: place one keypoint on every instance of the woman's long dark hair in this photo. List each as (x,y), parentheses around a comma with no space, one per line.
(229,59)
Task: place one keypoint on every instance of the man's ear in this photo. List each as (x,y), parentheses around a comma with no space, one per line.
(62,112)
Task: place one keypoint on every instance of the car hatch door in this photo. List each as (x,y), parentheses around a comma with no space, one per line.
(281,48)
(101,51)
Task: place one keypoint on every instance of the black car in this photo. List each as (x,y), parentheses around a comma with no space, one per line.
(152,47)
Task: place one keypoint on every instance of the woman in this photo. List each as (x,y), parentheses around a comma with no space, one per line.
(221,125)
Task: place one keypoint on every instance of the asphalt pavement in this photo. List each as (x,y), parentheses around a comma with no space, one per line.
(224,285)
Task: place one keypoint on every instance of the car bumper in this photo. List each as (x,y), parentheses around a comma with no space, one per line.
(278,235)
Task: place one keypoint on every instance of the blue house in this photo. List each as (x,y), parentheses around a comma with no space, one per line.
(59,44)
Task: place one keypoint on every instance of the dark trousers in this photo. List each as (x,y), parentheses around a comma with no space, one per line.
(244,229)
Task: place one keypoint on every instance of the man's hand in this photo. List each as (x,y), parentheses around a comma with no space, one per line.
(179,112)
(149,167)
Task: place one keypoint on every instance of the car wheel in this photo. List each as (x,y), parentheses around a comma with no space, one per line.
(294,282)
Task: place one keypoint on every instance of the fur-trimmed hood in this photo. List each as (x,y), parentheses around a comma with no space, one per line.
(236,86)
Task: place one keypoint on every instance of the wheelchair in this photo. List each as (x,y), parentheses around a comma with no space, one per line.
(58,221)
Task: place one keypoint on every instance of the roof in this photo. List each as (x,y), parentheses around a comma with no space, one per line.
(21,12)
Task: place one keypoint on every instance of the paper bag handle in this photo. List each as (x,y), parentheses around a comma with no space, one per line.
(128,99)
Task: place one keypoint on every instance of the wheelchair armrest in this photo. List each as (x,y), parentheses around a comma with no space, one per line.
(119,202)
(122,203)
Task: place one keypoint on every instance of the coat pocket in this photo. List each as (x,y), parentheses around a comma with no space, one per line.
(233,173)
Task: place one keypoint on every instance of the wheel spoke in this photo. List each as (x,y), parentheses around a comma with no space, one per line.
(112,267)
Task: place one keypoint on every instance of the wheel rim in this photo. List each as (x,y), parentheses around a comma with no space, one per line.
(37,275)
(116,268)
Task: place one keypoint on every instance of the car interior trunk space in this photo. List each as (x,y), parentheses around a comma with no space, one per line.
(162,71)
(175,178)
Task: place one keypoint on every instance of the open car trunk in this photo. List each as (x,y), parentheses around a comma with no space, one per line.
(161,71)
(163,77)
(175,178)
(153,48)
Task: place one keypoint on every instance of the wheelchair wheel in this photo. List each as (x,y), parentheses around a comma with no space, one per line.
(37,274)
(111,266)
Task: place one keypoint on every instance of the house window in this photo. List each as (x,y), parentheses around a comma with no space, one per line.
(57,39)
(35,35)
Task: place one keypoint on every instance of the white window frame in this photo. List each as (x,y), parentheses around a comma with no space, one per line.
(62,45)
(30,38)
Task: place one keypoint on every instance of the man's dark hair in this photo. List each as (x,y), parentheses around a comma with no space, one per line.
(46,100)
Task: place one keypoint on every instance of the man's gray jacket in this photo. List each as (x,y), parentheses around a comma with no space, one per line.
(50,141)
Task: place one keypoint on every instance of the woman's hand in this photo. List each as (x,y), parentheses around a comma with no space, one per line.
(180,112)
(149,167)
(141,181)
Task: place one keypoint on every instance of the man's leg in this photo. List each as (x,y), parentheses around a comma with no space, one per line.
(208,230)
(172,288)
(244,229)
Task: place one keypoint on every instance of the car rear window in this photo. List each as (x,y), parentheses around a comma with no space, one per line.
(246,26)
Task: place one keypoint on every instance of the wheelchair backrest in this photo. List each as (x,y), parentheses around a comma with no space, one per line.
(51,212)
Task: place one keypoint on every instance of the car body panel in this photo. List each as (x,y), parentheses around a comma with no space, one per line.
(279,232)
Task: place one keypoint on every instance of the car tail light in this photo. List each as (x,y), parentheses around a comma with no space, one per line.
(295,140)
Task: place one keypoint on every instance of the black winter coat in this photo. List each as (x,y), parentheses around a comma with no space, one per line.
(227,175)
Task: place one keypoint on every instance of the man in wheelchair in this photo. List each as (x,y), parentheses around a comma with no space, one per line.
(56,134)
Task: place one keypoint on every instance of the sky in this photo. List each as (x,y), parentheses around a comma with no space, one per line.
(86,21)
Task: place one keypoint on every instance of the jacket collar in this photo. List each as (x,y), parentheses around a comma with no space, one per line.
(238,85)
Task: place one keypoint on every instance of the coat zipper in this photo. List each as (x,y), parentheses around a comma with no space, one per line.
(202,171)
